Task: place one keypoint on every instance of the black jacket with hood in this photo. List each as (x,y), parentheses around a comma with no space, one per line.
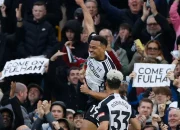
(37,38)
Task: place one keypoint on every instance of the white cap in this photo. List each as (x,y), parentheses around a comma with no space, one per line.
(114,74)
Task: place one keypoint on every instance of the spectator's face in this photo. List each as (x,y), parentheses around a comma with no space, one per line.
(153,50)
(96,50)
(145,109)
(84,37)
(57,112)
(34,95)
(107,36)
(6,119)
(124,33)
(70,35)
(152,26)
(92,7)
(135,5)
(73,77)
(174,118)
(70,117)
(161,98)
(38,12)
(78,119)
(63,125)
(177,71)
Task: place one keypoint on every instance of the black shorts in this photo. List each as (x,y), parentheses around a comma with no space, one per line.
(91,115)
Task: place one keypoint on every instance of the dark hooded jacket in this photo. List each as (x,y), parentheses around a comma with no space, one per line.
(37,38)
(81,49)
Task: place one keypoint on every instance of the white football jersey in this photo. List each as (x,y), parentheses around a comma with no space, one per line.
(115,110)
(96,73)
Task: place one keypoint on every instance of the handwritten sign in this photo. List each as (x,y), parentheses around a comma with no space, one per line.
(24,66)
(152,75)
(1,2)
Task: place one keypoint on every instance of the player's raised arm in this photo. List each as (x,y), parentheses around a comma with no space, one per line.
(88,21)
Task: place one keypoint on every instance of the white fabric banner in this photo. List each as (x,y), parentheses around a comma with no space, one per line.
(152,75)
(1,2)
(24,66)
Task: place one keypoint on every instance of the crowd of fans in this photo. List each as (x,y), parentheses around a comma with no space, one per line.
(55,100)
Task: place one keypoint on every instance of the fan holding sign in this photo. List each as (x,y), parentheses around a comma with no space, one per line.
(152,75)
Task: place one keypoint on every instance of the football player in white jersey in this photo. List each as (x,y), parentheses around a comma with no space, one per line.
(114,113)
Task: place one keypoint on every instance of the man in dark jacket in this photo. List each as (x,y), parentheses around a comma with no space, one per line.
(54,14)
(35,94)
(37,35)
(157,28)
(64,82)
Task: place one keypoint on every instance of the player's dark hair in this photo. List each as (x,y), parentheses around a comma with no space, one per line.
(101,39)
(72,68)
(146,100)
(149,126)
(113,83)
(40,3)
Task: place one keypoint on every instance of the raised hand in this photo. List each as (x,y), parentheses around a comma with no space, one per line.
(40,109)
(153,7)
(170,75)
(164,127)
(132,75)
(155,120)
(46,106)
(13,88)
(56,55)
(142,119)
(56,125)
(84,88)
(152,95)
(69,44)
(161,109)
(18,12)
(175,61)
(79,2)
(146,12)
(97,19)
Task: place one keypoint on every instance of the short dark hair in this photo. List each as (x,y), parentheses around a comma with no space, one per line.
(101,39)
(72,68)
(125,26)
(146,100)
(114,83)
(40,3)
(149,126)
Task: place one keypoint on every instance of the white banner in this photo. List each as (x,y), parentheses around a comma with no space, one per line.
(24,66)
(1,2)
(152,75)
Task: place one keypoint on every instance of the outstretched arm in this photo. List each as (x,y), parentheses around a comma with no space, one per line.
(88,21)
